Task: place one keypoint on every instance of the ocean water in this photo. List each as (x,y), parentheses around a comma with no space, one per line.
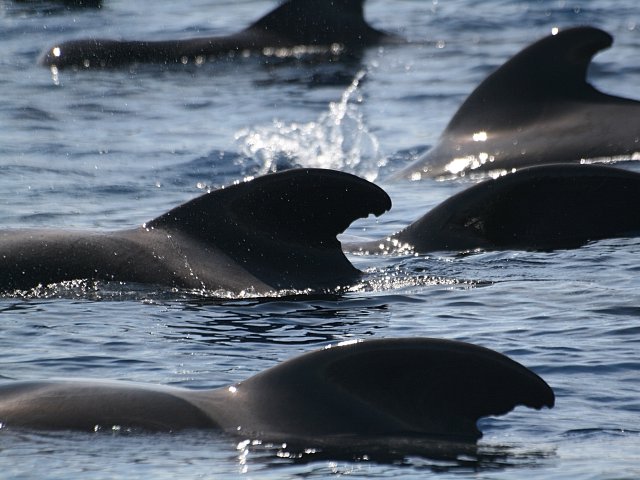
(113,149)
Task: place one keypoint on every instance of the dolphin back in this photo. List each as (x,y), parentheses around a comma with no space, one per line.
(538,208)
(94,405)
(431,388)
(321,23)
(537,108)
(436,388)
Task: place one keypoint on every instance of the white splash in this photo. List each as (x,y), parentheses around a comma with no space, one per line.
(338,139)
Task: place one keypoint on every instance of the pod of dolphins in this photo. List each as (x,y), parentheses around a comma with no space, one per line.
(278,232)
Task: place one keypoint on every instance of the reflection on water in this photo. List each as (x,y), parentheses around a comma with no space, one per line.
(306,321)
(167,454)
(352,455)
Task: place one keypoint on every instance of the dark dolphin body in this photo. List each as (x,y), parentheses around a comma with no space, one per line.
(324,24)
(67,4)
(274,232)
(536,108)
(537,208)
(418,386)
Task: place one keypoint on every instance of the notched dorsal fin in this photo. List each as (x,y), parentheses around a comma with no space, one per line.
(318,22)
(438,387)
(550,69)
(308,206)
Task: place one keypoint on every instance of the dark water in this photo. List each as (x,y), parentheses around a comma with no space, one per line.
(112,149)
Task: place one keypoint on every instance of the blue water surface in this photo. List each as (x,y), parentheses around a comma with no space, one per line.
(113,149)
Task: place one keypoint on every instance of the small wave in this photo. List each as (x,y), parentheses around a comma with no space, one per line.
(399,278)
(591,432)
(96,290)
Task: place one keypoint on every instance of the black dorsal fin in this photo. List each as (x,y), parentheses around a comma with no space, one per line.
(551,69)
(308,205)
(443,385)
(319,22)
(422,386)
(282,226)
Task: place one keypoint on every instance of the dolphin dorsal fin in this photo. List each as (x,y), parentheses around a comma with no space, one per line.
(442,385)
(421,386)
(318,22)
(551,69)
(302,205)
(278,221)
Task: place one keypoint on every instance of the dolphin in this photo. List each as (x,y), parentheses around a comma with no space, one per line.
(67,4)
(536,108)
(409,386)
(272,233)
(546,207)
(327,26)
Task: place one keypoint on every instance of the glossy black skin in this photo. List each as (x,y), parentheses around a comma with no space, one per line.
(272,233)
(420,387)
(547,207)
(537,108)
(321,24)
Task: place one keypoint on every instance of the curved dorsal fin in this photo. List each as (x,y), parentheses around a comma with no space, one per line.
(439,384)
(308,205)
(401,386)
(319,22)
(282,226)
(551,69)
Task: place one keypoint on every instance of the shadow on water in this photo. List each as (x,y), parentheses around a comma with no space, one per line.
(254,456)
(417,453)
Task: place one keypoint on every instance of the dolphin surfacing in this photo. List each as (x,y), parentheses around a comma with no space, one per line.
(546,207)
(323,24)
(418,386)
(272,233)
(536,108)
